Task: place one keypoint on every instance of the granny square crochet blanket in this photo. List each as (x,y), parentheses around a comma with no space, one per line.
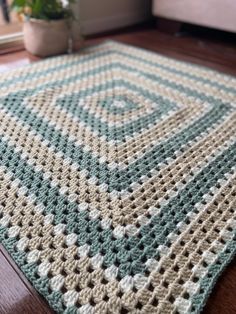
(118,180)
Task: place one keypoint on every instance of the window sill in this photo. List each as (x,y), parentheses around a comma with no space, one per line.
(10,43)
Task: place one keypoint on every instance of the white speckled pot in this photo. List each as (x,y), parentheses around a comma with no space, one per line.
(46,38)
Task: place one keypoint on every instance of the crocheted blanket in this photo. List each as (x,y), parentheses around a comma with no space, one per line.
(118,179)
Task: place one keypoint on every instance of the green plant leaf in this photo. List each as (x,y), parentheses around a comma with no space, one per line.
(18,4)
(44,9)
(37,8)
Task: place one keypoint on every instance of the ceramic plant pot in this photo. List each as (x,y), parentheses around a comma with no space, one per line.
(46,38)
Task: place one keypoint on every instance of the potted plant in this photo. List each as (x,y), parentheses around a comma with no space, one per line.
(46,25)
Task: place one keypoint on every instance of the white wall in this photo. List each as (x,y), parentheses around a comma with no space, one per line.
(104,15)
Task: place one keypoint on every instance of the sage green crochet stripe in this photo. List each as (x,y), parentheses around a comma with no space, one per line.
(80,252)
(107,103)
(160,100)
(67,147)
(116,180)
(122,82)
(80,61)
(214,271)
(178,207)
(30,271)
(184,89)
(70,103)
(55,298)
(121,53)
(15,100)
(175,71)
(118,133)
(168,148)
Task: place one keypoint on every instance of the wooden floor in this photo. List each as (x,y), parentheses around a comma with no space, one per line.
(216,50)
(212,49)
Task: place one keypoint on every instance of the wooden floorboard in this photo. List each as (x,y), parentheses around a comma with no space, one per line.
(17,296)
(218,53)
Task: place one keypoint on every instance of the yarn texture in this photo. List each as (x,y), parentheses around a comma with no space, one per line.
(118,179)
